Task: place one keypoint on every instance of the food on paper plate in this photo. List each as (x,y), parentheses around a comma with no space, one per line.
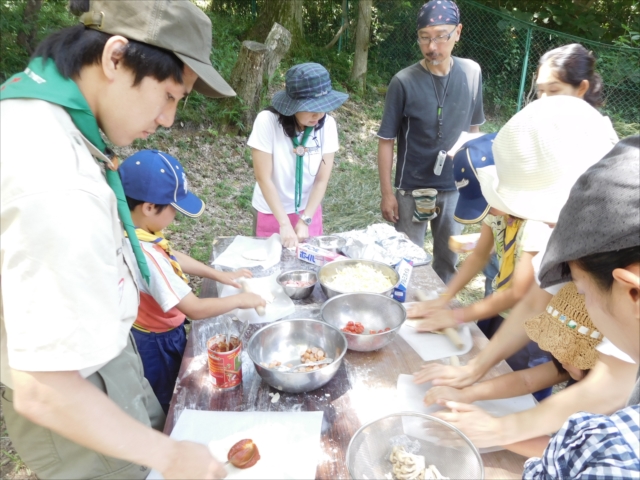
(359,278)
(407,466)
(358,328)
(243,454)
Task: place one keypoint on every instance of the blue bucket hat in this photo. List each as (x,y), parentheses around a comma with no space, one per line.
(475,154)
(308,89)
(156,177)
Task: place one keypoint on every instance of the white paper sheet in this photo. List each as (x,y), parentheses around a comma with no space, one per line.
(280,307)
(270,249)
(410,398)
(431,346)
(288,442)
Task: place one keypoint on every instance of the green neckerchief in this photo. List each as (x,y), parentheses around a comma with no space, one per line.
(42,80)
(299,164)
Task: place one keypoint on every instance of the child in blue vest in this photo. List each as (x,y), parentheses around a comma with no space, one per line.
(156,188)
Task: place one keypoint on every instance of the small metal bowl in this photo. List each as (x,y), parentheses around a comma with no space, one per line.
(285,341)
(297,293)
(373,311)
(333,243)
(327,271)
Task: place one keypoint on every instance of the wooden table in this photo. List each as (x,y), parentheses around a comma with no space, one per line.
(363,389)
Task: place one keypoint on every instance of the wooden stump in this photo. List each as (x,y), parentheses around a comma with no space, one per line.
(246,78)
(278,43)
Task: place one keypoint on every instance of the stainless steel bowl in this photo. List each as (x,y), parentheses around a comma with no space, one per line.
(285,341)
(297,293)
(327,271)
(333,243)
(441,444)
(373,311)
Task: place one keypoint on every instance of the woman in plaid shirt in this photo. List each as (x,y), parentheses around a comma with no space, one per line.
(597,243)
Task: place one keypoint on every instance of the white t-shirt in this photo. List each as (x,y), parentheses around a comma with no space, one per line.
(268,136)
(69,296)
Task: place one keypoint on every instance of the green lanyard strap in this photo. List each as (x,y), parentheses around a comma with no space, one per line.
(299,150)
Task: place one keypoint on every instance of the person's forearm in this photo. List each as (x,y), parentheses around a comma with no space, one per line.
(474,129)
(534,447)
(511,336)
(211,307)
(69,405)
(515,384)
(473,264)
(605,390)
(489,306)
(385,165)
(192,266)
(272,198)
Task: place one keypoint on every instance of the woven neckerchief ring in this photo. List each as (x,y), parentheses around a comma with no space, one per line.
(299,150)
(444,96)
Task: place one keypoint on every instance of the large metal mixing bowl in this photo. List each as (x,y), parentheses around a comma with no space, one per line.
(285,341)
(373,311)
(441,444)
(329,270)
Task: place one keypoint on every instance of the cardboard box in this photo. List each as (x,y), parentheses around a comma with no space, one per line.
(315,255)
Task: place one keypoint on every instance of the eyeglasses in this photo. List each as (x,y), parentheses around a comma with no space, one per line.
(437,40)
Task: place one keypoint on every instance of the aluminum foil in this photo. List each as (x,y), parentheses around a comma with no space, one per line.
(382,243)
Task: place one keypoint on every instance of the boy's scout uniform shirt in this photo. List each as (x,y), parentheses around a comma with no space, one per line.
(68,295)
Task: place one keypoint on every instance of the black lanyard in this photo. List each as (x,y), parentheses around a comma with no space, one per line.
(440,103)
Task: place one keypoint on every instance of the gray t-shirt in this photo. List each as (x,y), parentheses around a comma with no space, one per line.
(411,117)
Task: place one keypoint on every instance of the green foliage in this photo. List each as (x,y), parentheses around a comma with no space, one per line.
(53,16)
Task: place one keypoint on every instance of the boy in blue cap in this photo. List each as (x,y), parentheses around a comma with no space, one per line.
(514,248)
(156,188)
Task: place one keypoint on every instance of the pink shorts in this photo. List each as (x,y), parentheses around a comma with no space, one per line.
(267,224)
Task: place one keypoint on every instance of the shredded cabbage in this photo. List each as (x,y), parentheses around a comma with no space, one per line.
(359,278)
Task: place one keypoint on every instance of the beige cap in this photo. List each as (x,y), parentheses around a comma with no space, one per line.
(175,25)
(565,329)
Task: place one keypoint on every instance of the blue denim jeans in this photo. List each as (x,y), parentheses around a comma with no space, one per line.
(442,227)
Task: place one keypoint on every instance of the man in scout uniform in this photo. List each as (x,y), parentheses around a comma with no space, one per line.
(75,400)
(428,106)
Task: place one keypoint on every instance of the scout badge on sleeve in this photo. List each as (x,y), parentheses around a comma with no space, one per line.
(426,209)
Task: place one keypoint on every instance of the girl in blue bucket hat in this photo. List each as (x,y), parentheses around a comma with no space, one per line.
(293,143)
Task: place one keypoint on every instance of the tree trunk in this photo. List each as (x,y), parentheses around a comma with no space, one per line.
(287,13)
(246,78)
(27,36)
(278,43)
(363,34)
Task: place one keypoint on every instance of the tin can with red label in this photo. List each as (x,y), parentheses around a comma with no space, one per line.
(225,361)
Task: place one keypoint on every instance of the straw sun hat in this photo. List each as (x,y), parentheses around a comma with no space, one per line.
(540,153)
(565,330)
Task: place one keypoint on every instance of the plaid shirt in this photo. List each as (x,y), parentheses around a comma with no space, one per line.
(592,447)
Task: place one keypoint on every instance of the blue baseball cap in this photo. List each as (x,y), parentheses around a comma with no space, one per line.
(475,154)
(156,177)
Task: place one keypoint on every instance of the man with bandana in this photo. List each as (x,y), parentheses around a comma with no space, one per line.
(428,105)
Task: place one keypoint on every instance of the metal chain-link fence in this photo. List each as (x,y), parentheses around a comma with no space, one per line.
(508,51)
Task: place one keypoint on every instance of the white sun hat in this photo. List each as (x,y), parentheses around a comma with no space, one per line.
(540,153)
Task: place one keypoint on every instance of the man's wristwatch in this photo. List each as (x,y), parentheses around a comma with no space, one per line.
(306,219)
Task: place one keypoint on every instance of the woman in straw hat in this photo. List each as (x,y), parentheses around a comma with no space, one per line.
(565,330)
(293,143)
(539,154)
